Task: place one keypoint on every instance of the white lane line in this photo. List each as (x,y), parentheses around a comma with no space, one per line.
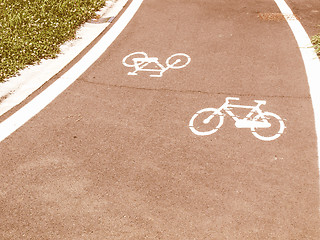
(23,115)
(311,63)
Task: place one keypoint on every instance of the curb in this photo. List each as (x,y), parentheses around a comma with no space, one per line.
(16,89)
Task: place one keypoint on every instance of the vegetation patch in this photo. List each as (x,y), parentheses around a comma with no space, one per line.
(316,43)
(31,30)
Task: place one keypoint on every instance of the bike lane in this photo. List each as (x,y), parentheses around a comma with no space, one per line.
(113,157)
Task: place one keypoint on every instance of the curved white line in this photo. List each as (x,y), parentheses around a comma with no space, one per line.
(23,115)
(311,63)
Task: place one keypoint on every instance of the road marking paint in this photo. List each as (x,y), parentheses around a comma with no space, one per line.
(28,111)
(140,61)
(311,63)
(255,119)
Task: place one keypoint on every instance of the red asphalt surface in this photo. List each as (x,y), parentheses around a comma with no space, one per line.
(113,156)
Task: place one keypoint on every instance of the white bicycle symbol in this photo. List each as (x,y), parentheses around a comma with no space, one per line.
(140,61)
(260,123)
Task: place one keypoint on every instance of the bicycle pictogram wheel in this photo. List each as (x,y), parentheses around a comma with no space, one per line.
(273,132)
(178,60)
(200,125)
(128,60)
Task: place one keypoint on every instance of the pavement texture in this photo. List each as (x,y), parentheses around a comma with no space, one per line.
(113,156)
(308,13)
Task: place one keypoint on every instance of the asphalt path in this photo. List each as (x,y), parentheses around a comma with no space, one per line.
(308,12)
(113,157)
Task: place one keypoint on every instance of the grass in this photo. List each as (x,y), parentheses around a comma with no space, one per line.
(316,43)
(31,30)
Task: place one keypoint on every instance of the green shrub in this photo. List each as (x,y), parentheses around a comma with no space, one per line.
(31,30)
